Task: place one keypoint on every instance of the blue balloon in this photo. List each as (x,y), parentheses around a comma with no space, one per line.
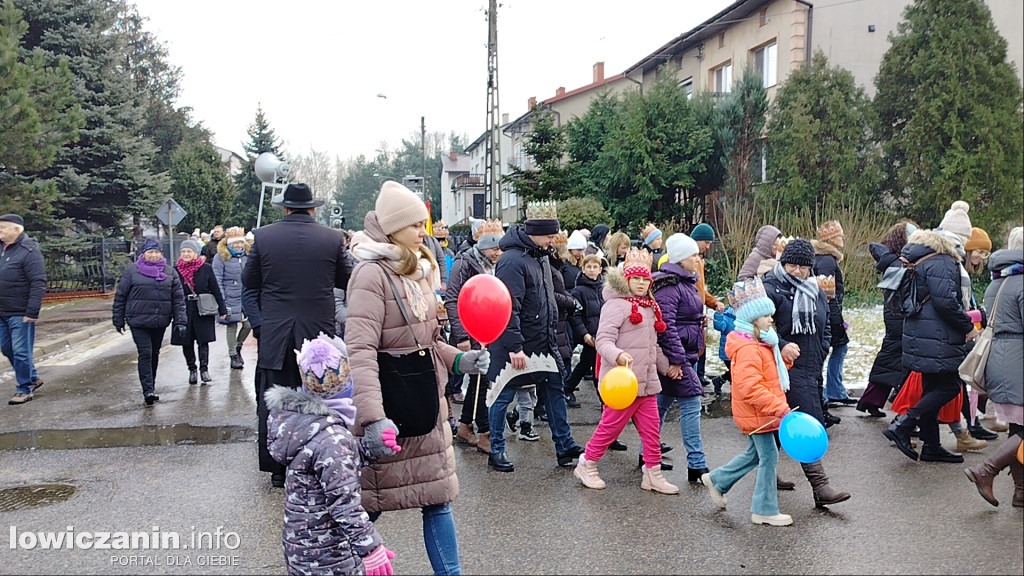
(803,437)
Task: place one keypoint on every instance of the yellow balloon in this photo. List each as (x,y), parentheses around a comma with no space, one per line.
(619,387)
(1020,453)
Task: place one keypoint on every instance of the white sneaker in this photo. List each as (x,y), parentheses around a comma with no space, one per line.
(776,520)
(716,496)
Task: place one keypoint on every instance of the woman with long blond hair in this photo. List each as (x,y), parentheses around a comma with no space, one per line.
(616,249)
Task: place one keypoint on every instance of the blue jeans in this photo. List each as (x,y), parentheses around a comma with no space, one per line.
(761,453)
(17,339)
(558,415)
(689,426)
(438,537)
(834,389)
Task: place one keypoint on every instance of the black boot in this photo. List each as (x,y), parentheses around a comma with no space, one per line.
(617,446)
(694,474)
(939,454)
(193,376)
(981,433)
(565,458)
(871,411)
(277,480)
(899,433)
(500,462)
(205,375)
(665,465)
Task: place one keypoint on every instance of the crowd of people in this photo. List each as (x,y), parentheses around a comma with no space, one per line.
(361,420)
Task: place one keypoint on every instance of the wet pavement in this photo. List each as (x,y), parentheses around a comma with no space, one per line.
(188,465)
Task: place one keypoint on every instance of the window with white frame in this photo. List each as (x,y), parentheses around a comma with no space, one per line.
(766,63)
(722,78)
(687,87)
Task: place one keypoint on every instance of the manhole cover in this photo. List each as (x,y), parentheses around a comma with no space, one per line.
(34,496)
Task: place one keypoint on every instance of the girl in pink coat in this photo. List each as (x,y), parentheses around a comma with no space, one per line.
(627,335)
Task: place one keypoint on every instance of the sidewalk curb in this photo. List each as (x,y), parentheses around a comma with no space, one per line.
(68,340)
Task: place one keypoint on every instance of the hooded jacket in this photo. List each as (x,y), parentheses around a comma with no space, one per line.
(764,243)
(423,473)
(597,237)
(888,369)
(826,263)
(22,278)
(617,334)
(326,529)
(588,293)
(228,270)
(526,271)
(1003,371)
(934,339)
(682,308)
(757,396)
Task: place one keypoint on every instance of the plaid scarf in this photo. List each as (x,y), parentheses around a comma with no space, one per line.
(805,300)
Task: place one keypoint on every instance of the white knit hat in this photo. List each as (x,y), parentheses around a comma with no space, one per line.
(680,247)
(957,221)
(1015,241)
(577,241)
(398,207)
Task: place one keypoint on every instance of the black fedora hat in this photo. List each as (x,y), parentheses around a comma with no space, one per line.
(298,196)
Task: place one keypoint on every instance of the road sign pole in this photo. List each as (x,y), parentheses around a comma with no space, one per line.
(170,231)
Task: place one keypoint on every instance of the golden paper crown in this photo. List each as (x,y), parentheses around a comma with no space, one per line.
(543,210)
(488,228)
(562,240)
(830,230)
(637,257)
(827,283)
(743,293)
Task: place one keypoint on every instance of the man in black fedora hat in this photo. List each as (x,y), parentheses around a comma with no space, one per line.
(294,266)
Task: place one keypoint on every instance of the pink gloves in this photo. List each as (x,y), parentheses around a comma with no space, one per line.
(388,436)
(378,562)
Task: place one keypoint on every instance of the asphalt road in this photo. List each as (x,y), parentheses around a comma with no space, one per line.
(904,517)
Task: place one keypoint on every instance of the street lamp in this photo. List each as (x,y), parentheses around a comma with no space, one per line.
(273,174)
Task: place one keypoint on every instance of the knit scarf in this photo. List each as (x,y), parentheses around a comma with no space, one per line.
(771,337)
(188,270)
(484,261)
(154,270)
(635,317)
(1011,270)
(345,409)
(805,300)
(425,277)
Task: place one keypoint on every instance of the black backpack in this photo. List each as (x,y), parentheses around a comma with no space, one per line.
(900,287)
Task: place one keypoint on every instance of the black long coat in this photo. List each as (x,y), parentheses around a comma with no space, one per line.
(888,369)
(805,375)
(295,264)
(566,308)
(202,328)
(526,272)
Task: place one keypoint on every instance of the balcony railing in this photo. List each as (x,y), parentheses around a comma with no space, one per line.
(468,181)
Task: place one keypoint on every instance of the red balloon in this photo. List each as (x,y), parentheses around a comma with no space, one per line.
(484,307)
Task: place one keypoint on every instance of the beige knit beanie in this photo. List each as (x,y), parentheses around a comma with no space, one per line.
(398,207)
(957,221)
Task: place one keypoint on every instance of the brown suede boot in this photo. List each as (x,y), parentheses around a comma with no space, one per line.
(983,474)
(824,494)
(483,442)
(467,435)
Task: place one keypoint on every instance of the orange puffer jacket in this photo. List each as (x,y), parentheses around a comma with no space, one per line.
(757,396)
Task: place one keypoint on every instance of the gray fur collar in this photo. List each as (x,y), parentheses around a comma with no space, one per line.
(825,248)
(616,282)
(936,241)
(282,398)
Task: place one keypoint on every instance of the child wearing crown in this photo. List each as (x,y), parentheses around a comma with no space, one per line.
(627,335)
(759,383)
(326,529)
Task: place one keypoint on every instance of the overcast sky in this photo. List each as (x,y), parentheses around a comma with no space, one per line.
(317,66)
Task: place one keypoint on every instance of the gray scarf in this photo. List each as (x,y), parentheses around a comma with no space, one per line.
(805,300)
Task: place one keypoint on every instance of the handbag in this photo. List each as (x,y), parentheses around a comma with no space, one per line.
(408,383)
(972,369)
(207,305)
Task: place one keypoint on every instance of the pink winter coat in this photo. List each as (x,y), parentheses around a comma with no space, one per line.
(616,334)
(423,473)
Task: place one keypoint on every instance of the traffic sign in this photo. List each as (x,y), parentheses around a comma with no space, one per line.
(171,213)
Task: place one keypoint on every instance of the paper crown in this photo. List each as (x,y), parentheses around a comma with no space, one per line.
(562,240)
(488,228)
(637,262)
(743,293)
(827,283)
(830,230)
(543,210)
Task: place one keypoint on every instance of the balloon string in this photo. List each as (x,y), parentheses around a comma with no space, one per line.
(768,423)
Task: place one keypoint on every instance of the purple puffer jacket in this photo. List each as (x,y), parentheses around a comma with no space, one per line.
(326,529)
(682,308)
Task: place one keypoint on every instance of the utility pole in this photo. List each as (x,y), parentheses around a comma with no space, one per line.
(492,154)
(423,165)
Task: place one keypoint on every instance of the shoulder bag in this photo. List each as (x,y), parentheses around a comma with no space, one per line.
(408,383)
(972,369)
(207,305)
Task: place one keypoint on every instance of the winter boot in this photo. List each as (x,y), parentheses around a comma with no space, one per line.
(983,474)
(781,484)
(653,480)
(980,432)
(466,434)
(824,494)
(899,433)
(965,442)
(586,471)
(236,362)
(1017,471)
(526,432)
(483,442)
(193,376)
(694,474)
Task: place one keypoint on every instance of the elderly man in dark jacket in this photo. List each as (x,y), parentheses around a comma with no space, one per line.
(22,285)
(294,264)
(934,342)
(801,320)
(525,269)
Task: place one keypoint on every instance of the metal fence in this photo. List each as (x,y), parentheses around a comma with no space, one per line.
(92,267)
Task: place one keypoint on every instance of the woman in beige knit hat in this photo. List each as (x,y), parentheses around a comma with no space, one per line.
(393,310)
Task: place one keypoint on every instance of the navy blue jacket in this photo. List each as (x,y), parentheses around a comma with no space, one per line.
(142,302)
(22,278)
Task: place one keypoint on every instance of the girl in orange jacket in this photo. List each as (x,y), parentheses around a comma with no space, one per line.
(759,383)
